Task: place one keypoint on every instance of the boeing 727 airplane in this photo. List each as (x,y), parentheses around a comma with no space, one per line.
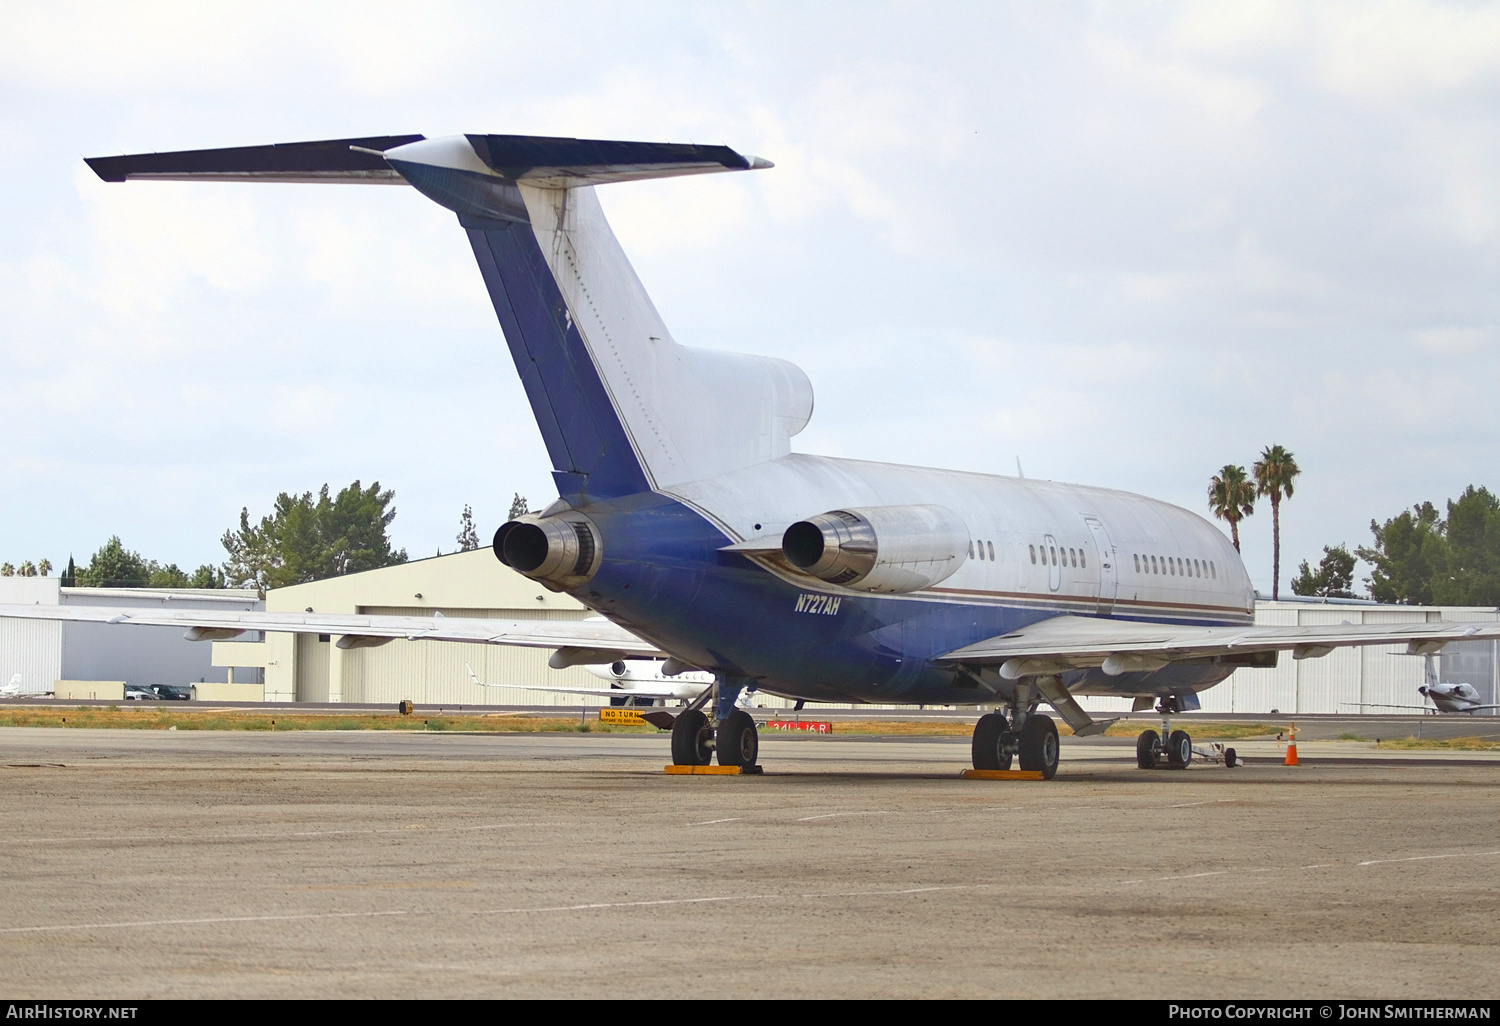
(685,519)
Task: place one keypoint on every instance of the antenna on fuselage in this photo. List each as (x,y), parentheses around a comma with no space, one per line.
(1019,472)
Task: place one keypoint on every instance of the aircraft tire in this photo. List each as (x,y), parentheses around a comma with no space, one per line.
(1145,749)
(1231,758)
(690,739)
(1039,747)
(1179,750)
(986,746)
(738,743)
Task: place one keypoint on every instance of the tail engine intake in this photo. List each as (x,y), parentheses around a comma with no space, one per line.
(879,548)
(559,552)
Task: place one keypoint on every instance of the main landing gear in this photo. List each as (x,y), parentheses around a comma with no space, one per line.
(730,732)
(1179,749)
(1028,736)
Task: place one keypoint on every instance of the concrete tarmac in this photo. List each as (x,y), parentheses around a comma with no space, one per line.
(191,864)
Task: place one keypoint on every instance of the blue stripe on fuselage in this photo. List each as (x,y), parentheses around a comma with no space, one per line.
(663,577)
(592,458)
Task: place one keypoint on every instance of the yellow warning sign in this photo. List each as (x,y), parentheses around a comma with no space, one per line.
(621,717)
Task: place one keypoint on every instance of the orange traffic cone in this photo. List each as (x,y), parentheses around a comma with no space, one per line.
(1291,747)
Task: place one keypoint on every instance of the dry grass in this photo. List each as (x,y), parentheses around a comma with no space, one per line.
(1453,744)
(159,718)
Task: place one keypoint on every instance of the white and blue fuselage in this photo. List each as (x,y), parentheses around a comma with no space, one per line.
(675,473)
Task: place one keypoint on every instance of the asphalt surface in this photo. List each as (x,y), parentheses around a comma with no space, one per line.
(350,864)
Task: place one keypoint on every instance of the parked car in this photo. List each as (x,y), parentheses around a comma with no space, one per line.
(139,692)
(171,692)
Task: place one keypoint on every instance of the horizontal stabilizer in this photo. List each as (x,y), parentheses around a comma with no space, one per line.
(559,163)
(329,160)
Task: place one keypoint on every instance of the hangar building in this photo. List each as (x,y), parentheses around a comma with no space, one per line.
(44,652)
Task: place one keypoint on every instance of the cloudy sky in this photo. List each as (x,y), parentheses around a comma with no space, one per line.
(1126,243)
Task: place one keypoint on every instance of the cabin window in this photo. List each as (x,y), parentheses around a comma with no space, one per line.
(1073,557)
(1171,566)
(1053,550)
(1033,553)
(1213,570)
(1083,560)
(1153,564)
(1197,568)
(971,550)
(1180,568)
(992,549)
(1137,561)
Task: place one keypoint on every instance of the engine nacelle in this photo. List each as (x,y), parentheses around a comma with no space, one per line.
(559,552)
(879,548)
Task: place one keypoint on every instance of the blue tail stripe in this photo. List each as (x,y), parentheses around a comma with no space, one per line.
(591,455)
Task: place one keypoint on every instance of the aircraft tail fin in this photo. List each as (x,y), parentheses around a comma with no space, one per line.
(622,407)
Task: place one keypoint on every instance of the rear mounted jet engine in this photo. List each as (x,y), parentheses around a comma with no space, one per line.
(879,548)
(560,552)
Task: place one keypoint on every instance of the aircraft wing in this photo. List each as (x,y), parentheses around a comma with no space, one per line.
(1121,646)
(1387,705)
(598,637)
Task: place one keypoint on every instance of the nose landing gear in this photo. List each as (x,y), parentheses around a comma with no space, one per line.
(1179,749)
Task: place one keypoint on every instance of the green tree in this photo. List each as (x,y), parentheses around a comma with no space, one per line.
(6,570)
(1472,530)
(115,566)
(517,507)
(70,575)
(26,569)
(468,535)
(307,538)
(1334,577)
(1409,551)
(1231,497)
(1275,472)
(44,567)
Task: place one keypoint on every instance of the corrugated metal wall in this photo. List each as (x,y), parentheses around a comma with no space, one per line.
(32,648)
(435,673)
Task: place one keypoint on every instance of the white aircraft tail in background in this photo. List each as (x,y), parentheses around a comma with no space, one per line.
(14,689)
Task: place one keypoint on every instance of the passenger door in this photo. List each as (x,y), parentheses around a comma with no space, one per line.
(1109,579)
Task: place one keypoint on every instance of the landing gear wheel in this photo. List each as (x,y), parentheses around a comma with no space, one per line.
(1231,758)
(1179,749)
(1146,752)
(738,743)
(1039,748)
(690,736)
(987,740)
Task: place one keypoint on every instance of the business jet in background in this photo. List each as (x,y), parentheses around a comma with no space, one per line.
(1445,698)
(685,519)
(632,682)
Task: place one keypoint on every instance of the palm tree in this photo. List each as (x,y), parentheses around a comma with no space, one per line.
(1231,497)
(1274,474)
